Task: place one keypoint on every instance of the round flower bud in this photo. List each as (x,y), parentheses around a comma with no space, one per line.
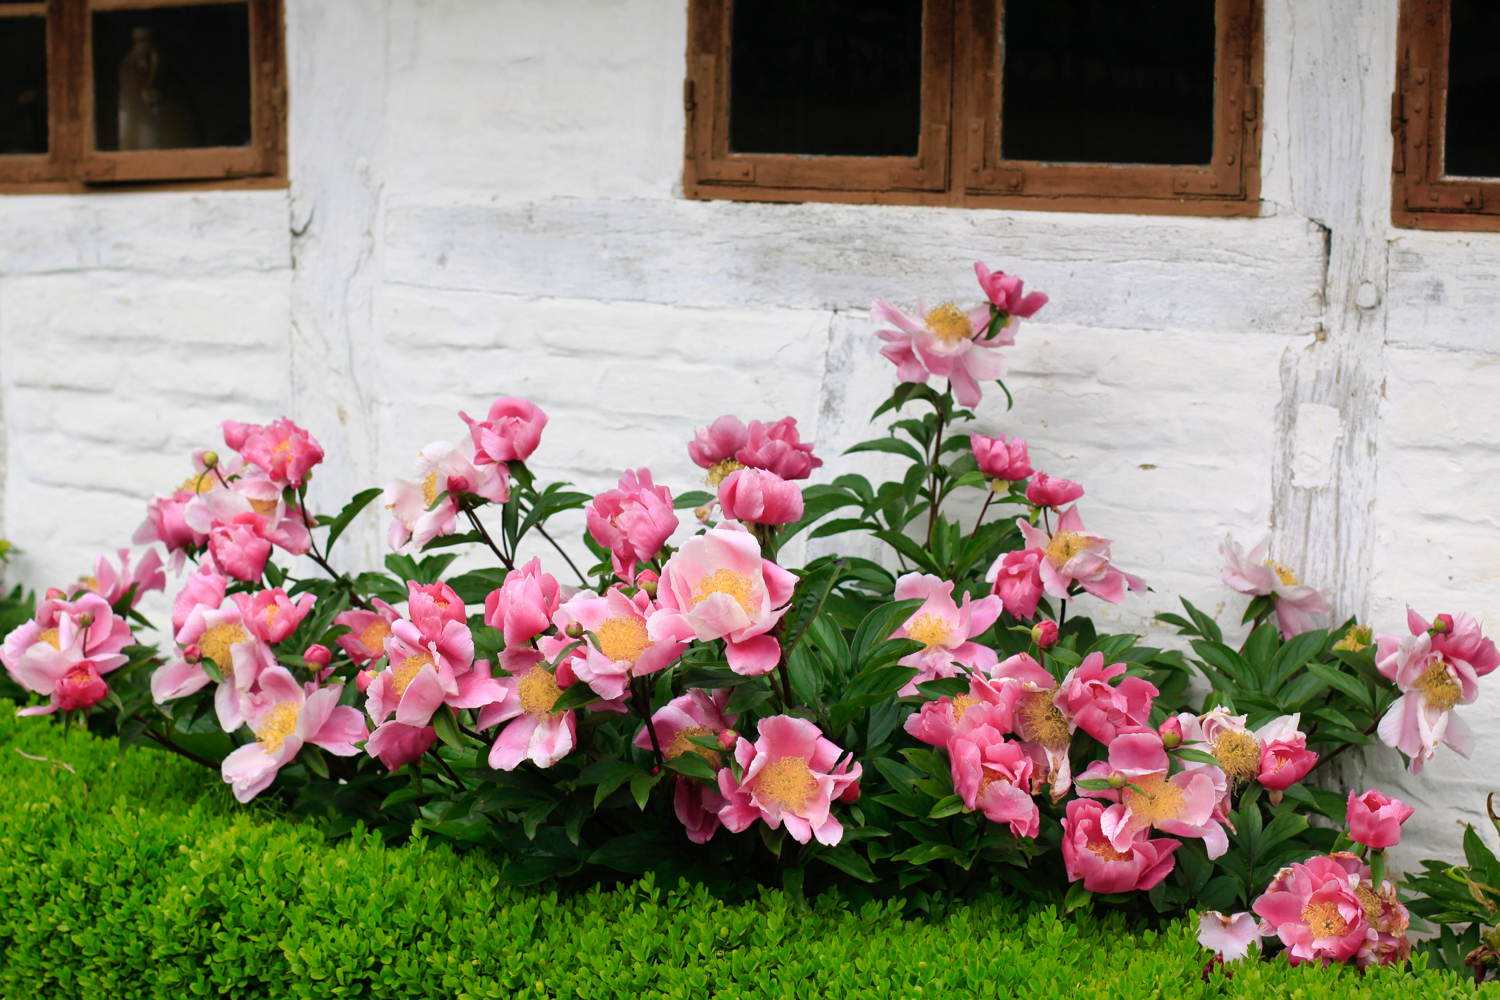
(318,655)
(1170,733)
(210,459)
(1116,780)
(1443,623)
(192,653)
(574,630)
(1044,634)
(728,739)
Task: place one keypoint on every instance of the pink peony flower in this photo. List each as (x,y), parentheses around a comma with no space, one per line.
(1073,554)
(1433,677)
(284,451)
(1090,856)
(366,640)
(1016,579)
(1104,712)
(758,497)
(633,521)
(1045,730)
(1284,759)
(510,433)
(219,634)
(717,443)
(791,774)
(422,672)
(696,713)
(243,522)
(284,719)
(1460,639)
(1296,603)
(993,775)
(1005,294)
(64,651)
(441,468)
(717,586)
(943,628)
(1048,491)
(777,449)
(524,605)
(624,649)
(1001,459)
(113,585)
(1375,820)
(946,342)
(271,615)
(166,512)
(1185,804)
(396,744)
(1317,912)
(936,722)
(535,732)
(1228,937)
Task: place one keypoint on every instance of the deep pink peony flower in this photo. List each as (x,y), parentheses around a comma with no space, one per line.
(1284,757)
(1296,603)
(284,718)
(1091,856)
(944,341)
(1228,937)
(524,604)
(64,651)
(535,732)
(633,521)
(999,458)
(1072,554)
(717,586)
(696,713)
(441,468)
(776,448)
(1317,912)
(1049,491)
(113,585)
(271,615)
(937,721)
(1433,677)
(944,629)
(284,451)
(755,496)
(1005,293)
(243,522)
(510,433)
(1375,820)
(366,640)
(717,443)
(1016,579)
(993,775)
(1103,711)
(791,774)
(1185,804)
(422,672)
(624,649)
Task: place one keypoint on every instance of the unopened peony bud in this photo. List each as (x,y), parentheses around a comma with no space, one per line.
(1443,623)
(1170,733)
(850,795)
(86,619)
(1116,780)
(1044,634)
(647,581)
(192,653)
(53,594)
(574,630)
(728,739)
(363,679)
(210,459)
(318,655)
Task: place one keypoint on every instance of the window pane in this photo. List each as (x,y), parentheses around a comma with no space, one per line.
(826,77)
(23,85)
(172,77)
(1109,81)
(1473,126)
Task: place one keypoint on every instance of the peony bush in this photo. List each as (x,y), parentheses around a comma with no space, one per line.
(944,719)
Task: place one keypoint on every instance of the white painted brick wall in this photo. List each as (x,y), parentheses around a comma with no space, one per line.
(485,202)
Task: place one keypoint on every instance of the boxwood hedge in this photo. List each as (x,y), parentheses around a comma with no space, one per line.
(126,875)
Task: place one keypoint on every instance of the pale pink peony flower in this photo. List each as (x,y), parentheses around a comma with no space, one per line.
(1046,731)
(1090,856)
(1284,758)
(1049,491)
(717,444)
(790,775)
(943,628)
(755,496)
(284,451)
(1072,554)
(1433,677)
(271,615)
(509,433)
(284,718)
(717,586)
(523,606)
(243,522)
(1296,603)
(999,458)
(441,468)
(633,521)
(1088,700)
(696,713)
(113,585)
(1375,820)
(1016,579)
(776,448)
(1228,937)
(535,732)
(944,341)
(993,775)
(624,649)
(219,634)
(1316,910)
(1185,804)
(1005,293)
(366,642)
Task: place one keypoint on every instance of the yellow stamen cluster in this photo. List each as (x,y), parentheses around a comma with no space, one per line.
(265,508)
(1358,637)
(429,489)
(1288,578)
(373,636)
(1064,546)
(1238,753)
(787,783)
(90,582)
(1039,721)
(407,672)
(962,704)
(682,743)
(1439,685)
(200,482)
(725,581)
(538,692)
(1325,920)
(1163,800)
(1104,849)
(215,643)
(622,639)
(930,630)
(950,323)
(1373,909)
(50,637)
(720,471)
(276,725)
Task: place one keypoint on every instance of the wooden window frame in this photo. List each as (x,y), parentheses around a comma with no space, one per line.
(962,166)
(72,164)
(1422,195)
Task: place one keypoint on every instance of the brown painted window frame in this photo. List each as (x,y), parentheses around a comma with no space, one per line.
(72,164)
(1422,196)
(959,161)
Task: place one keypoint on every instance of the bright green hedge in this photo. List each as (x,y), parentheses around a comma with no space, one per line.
(134,876)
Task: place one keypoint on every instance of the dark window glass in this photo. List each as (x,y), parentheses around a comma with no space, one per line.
(172,77)
(1109,81)
(23,85)
(1472,133)
(826,77)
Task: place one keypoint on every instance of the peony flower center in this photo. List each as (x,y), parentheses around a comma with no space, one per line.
(1358,637)
(719,471)
(538,692)
(787,783)
(1064,546)
(199,482)
(950,323)
(622,639)
(407,672)
(373,637)
(1105,850)
(682,743)
(1163,800)
(277,724)
(988,776)
(1440,687)
(725,581)
(50,636)
(265,508)
(1288,578)
(429,489)
(1238,753)
(1325,920)
(90,582)
(1039,721)
(962,704)
(1373,907)
(215,643)
(929,630)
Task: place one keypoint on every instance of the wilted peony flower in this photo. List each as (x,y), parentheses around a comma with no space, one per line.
(790,775)
(509,433)
(1296,602)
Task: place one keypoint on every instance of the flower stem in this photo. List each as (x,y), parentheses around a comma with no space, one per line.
(581,578)
(988,499)
(643,709)
(932,481)
(479,527)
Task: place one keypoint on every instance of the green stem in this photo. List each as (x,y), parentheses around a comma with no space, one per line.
(485,535)
(581,578)
(932,489)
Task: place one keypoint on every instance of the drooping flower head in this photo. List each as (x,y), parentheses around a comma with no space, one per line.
(1073,554)
(509,433)
(944,629)
(633,521)
(421,510)
(944,341)
(1296,603)
(790,775)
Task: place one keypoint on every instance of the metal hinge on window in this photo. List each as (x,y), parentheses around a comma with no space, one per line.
(982,178)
